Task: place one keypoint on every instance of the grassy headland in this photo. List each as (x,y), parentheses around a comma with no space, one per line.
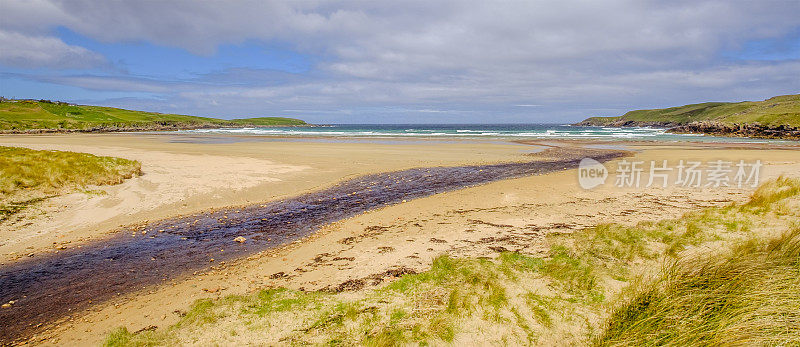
(21,116)
(28,176)
(713,277)
(775,117)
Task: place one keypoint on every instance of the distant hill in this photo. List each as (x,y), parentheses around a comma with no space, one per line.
(21,116)
(777,117)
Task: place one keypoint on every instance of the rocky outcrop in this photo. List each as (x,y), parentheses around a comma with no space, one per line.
(754,130)
(739,130)
(617,122)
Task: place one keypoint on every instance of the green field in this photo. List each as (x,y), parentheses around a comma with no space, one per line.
(29,115)
(779,110)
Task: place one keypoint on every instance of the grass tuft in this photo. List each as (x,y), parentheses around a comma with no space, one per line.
(747,296)
(28,176)
(773,191)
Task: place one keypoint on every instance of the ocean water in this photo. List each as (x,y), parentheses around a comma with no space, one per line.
(486,131)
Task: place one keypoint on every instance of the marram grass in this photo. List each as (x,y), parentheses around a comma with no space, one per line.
(748,296)
(415,309)
(27,176)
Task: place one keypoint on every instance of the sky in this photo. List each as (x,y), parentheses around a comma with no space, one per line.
(399,61)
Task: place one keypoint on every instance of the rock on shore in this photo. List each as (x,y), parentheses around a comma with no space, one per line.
(739,130)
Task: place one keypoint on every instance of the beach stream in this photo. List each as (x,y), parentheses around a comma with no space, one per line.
(50,287)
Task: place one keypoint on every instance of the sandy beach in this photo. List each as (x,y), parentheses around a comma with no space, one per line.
(182,177)
(192,174)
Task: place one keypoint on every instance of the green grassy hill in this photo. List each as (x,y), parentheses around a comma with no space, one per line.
(776,111)
(29,115)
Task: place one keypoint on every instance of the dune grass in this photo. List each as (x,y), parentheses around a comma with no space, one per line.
(749,296)
(419,308)
(717,276)
(28,176)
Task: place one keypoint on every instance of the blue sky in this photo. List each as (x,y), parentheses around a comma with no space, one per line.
(388,62)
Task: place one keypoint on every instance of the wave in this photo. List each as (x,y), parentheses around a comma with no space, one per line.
(421,132)
(474,131)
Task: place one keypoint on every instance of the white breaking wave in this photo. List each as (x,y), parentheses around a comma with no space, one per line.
(605,132)
(444,131)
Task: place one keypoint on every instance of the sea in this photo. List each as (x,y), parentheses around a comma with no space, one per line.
(479,131)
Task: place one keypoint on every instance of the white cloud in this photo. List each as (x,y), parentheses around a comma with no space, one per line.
(106,83)
(31,16)
(23,51)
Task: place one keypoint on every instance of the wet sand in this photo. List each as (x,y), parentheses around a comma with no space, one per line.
(467,222)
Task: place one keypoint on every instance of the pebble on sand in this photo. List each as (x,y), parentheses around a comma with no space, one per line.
(240,239)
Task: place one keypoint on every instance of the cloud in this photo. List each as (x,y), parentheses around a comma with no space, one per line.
(24,51)
(112,83)
(31,16)
(526,59)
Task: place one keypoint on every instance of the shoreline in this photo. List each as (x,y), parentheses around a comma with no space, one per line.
(714,132)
